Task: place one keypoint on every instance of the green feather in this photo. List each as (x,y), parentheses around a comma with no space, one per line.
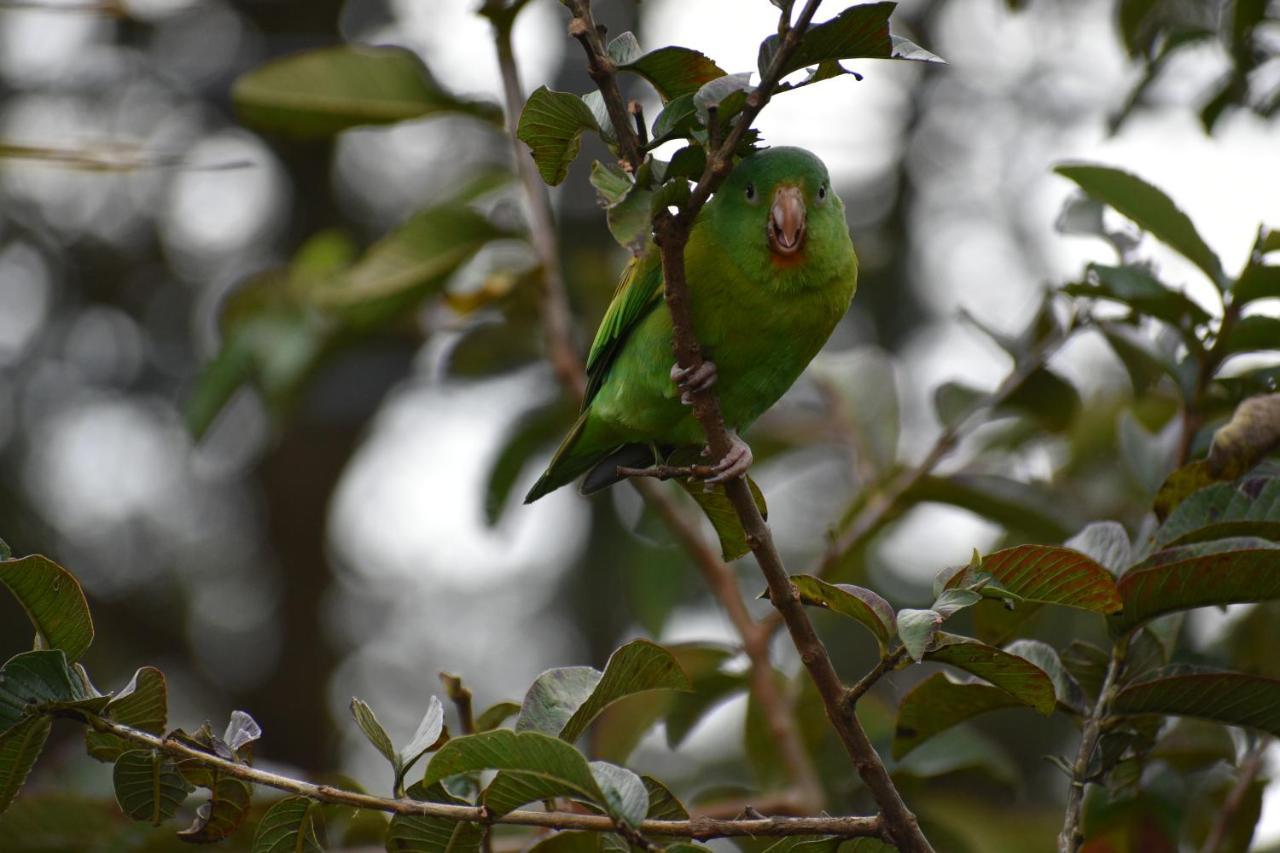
(759,316)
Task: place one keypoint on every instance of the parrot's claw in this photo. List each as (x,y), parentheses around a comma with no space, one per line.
(734,464)
(693,379)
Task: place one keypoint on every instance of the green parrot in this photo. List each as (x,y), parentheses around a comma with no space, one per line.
(771,270)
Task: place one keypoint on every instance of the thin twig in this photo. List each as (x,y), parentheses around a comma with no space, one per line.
(699,828)
(1250,767)
(602,70)
(668,472)
(777,711)
(672,235)
(110,8)
(554,306)
(886,664)
(637,112)
(460,696)
(1071,837)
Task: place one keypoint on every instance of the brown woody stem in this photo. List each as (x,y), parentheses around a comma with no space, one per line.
(671,233)
(699,828)
(718,576)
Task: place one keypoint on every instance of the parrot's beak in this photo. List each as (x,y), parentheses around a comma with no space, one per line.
(786,221)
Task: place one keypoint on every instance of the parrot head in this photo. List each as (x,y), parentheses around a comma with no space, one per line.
(777,207)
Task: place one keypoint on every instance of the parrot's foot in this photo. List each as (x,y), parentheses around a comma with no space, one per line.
(693,379)
(734,464)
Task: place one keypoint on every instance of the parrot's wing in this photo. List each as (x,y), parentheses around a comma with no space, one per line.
(638,293)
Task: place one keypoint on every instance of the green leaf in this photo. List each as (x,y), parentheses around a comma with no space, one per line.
(917,629)
(952,601)
(1026,507)
(959,750)
(1150,208)
(663,805)
(1012,673)
(1231,577)
(143,704)
(1258,281)
(1253,333)
(422,834)
(5,551)
(408,264)
(148,786)
(320,92)
(727,94)
(536,429)
(629,218)
(565,701)
(551,124)
(909,50)
(20,746)
(938,703)
(718,508)
(495,715)
(623,49)
(625,795)
(1190,744)
(677,119)
(857,32)
(1136,287)
(53,601)
(1224,697)
(547,763)
(611,182)
(1106,542)
(1141,358)
(554,697)
(634,668)
(954,402)
(374,731)
(688,709)
(1066,689)
(1046,574)
(674,71)
(858,603)
(226,809)
(426,736)
(41,682)
(1047,398)
(1248,508)
(1087,664)
(288,827)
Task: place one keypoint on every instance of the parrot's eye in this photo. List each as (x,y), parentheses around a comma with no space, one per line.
(822,192)
(751,192)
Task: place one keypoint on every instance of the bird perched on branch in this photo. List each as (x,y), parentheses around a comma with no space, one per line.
(770,271)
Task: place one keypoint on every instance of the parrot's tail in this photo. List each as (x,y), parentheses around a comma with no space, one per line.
(585,445)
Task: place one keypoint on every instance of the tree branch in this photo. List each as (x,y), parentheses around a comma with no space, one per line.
(701,828)
(1071,837)
(554,302)
(602,70)
(672,235)
(886,665)
(1250,767)
(718,576)
(460,696)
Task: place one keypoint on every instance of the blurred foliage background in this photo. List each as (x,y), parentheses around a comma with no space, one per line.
(283,505)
